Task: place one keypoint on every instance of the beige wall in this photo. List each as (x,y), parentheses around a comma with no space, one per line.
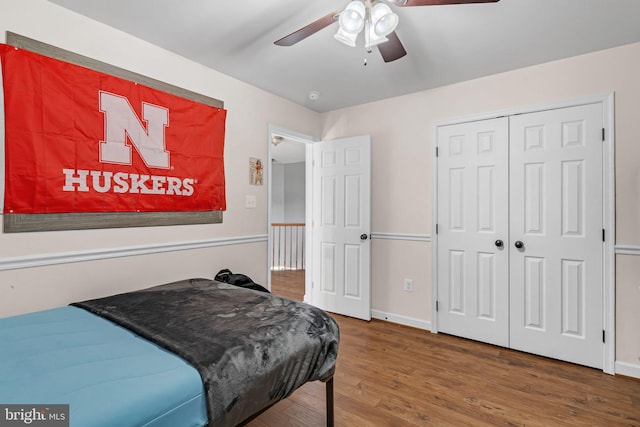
(402,132)
(250,110)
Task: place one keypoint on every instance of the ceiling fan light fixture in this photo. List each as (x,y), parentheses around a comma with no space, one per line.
(371,38)
(383,20)
(352,17)
(347,38)
(376,18)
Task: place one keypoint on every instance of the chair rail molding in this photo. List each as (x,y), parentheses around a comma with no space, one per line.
(627,250)
(402,236)
(54,258)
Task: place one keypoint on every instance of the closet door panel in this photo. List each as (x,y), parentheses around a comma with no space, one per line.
(472,215)
(556,212)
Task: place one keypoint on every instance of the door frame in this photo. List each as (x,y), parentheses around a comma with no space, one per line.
(308,211)
(608,207)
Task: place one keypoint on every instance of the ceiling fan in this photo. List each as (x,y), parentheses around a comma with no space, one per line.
(374,17)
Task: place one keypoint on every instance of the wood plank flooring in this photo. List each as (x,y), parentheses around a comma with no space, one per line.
(392,375)
(288,283)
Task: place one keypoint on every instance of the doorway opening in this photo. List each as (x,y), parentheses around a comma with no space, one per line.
(289,193)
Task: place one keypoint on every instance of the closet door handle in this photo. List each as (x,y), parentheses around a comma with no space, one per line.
(499,243)
(519,244)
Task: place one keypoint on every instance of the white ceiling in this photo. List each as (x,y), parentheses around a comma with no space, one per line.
(288,151)
(445,44)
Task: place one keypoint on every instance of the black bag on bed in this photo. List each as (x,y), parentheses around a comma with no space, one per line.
(242,280)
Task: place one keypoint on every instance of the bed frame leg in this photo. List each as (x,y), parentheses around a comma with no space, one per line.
(329,402)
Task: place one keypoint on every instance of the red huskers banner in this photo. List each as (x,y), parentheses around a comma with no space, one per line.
(77,140)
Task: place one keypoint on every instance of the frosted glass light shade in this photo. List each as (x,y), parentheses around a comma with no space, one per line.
(371,38)
(383,20)
(352,17)
(347,38)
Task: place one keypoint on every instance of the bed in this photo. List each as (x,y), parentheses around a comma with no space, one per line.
(190,353)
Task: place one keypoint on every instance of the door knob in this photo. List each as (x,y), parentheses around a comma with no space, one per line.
(499,243)
(363,237)
(519,244)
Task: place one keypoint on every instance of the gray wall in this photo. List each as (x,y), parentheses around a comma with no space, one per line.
(294,192)
(277,192)
(288,192)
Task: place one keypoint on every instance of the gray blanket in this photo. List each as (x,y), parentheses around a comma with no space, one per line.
(252,348)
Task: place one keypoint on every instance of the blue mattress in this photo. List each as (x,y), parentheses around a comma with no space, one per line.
(108,375)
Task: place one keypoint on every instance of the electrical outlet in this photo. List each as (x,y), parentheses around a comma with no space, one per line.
(408,285)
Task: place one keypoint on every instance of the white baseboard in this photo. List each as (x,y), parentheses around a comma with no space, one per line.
(628,369)
(402,320)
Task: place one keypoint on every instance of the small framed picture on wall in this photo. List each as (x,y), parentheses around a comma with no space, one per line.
(256,171)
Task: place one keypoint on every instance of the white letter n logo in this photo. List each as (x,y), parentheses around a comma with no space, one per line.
(121,121)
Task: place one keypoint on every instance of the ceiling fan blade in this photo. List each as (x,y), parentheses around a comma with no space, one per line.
(403,3)
(307,30)
(392,49)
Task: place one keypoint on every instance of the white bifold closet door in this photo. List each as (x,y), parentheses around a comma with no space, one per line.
(473,214)
(556,212)
(539,193)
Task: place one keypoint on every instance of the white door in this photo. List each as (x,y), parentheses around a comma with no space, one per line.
(534,182)
(341,226)
(556,214)
(473,227)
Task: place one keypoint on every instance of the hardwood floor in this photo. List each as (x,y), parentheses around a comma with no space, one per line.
(392,375)
(288,283)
